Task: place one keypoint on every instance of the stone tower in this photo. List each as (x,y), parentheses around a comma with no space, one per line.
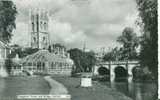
(38,28)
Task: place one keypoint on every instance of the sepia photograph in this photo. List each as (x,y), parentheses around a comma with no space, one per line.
(79,50)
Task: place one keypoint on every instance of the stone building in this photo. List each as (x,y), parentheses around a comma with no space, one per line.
(16,68)
(4,52)
(38,28)
(58,49)
(55,60)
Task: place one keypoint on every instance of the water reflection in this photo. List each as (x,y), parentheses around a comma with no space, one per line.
(2,86)
(138,95)
(136,90)
(3,72)
(130,88)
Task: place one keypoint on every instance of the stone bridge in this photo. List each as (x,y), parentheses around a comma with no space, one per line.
(113,65)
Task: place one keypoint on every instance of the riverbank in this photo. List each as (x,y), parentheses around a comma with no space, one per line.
(10,87)
(97,92)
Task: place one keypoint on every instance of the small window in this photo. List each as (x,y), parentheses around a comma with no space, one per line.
(41,25)
(44,38)
(32,26)
(45,25)
(34,39)
(43,66)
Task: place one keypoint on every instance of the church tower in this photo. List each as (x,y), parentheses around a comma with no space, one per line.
(38,28)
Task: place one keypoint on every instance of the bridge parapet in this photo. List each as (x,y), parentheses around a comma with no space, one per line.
(118,62)
(134,62)
(112,65)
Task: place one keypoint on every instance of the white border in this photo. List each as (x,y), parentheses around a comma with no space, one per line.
(158,53)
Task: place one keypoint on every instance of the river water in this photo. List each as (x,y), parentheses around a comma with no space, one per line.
(12,86)
(136,90)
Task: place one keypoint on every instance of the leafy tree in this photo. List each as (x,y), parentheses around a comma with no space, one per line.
(8,64)
(84,61)
(130,41)
(89,61)
(76,55)
(8,14)
(22,52)
(149,24)
(7,24)
(114,55)
(28,51)
(108,57)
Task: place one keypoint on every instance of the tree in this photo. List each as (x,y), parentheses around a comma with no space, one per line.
(27,51)
(89,61)
(84,61)
(149,24)
(76,55)
(8,64)
(108,57)
(130,41)
(8,14)
(22,52)
(114,55)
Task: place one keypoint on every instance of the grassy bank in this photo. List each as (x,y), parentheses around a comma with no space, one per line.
(97,92)
(12,86)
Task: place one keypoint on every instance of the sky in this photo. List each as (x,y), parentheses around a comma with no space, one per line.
(73,23)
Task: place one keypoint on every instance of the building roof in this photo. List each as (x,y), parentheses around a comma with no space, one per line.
(45,56)
(3,45)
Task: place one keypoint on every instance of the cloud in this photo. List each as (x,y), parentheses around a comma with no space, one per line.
(98,22)
(21,35)
(64,32)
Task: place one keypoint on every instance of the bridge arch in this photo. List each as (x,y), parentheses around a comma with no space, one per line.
(136,71)
(103,71)
(120,71)
(126,67)
(130,69)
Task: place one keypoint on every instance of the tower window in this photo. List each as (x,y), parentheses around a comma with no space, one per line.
(32,26)
(45,25)
(34,39)
(44,38)
(32,17)
(41,25)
